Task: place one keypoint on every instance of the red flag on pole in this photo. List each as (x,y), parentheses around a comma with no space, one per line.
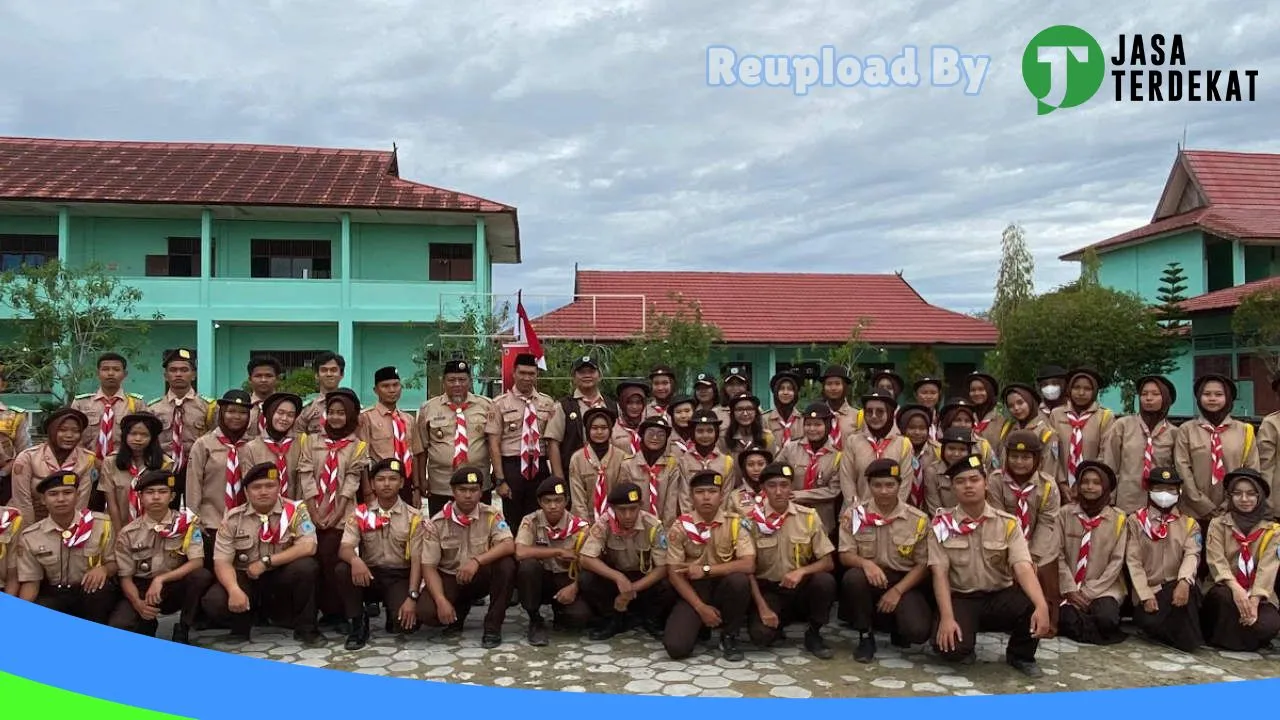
(524,332)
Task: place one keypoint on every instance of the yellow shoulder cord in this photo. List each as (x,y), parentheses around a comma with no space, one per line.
(839,457)
(578,540)
(646,556)
(413,528)
(14,530)
(103,541)
(1120,525)
(1248,442)
(1044,500)
(209,413)
(1004,429)
(1010,526)
(1266,540)
(728,464)
(186,539)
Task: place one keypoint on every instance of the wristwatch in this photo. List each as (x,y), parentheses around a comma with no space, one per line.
(266,561)
(706,569)
(414,595)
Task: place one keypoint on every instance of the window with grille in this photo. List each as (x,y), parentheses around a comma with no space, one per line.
(29,250)
(182,260)
(290,359)
(451,262)
(298,259)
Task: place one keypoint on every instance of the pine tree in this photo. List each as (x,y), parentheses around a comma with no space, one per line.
(1015,283)
(1173,283)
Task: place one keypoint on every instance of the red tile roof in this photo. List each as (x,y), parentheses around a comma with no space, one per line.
(1228,298)
(764,308)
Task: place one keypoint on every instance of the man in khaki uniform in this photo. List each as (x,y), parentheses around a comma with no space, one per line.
(388,429)
(185,415)
(449,433)
(160,558)
(213,477)
(264,554)
(107,406)
(376,556)
(330,369)
(516,428)
(15,436)
(65,561)
(10,528)
(1162,556)
(547,545)
(466,551)
(624,566)
(564,433)
(983,577)
(793,565)
(1091,563)
(883,545)
(710,557)
(60,452)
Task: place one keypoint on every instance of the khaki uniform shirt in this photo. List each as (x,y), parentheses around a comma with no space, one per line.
(919,464)
(35,464)
(390,546)
(1104,576)
(860,451)
(1050,457)
(93,405)
(206,486)
(673,494)
(446,545)
(1091,444)
(15,434)
(433,433)
(141,551)
(9,543)
(1152,563)
(849,420)
(239,539)
(375,428)
(1122,450)
(640,550)
(654,409)
(801,540)
(983,560)
(623,436)
(1044,503)
(584,469)
(311,418)
(993,431)
(256,421)
(256,452)
(534,532)
(938,494)
(1201,497)
(1268,457)
(44,557)
(826,487)
(775,426)
(506,420)
(1223,553)
(899,546)
(556,423)
(726,544)
(197,419)
(117,483)
(353,463)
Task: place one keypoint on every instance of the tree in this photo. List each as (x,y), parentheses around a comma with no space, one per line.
(474,337)
(921,362)
(854,351)
(64,318)
(1090,269)
(300,382)
(1015,282)
(1116,333)
(1173,283)
(1256,324)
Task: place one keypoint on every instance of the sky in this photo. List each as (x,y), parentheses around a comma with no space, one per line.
(597,122)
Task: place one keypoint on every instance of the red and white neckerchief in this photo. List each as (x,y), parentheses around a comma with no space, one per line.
(530,437)
(451,514)
(233,496)
(135,498)
(80,531)
(328,481)
(769,523)
(275,534)
(915,495)
(280,449)
(600,496)
(1022,493)
(106,426)
(461,439)
(859,517)
(1149,449)
(703,460)
(1158,530)
(1075,454)
(681,444)
(371,519)
(787,425)
(182,521)
(1216,462)
(981,426)
(945,525)
(262,417)
(1082,555)
(571,528)
(400,441)
(175,436)
(811,471)
(8,518)
(879,446)
(699,533)
(836,439)
(653,472)
(1246,564)
(634,435)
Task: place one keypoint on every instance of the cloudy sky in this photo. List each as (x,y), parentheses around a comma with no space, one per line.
(596,121)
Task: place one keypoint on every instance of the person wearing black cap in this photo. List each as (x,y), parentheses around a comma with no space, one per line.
(983,391)
(735,383)
(624,572)
(213,479)
(516,428)
(927,391)
(66,561)
(264,374)
(914,422)
(883,545)
(387,429)
(186,415)
(1209,445)
(1240,610)
(595,469)
(449,433)
(792,578)
(656,471)
(1136,443)
(565,432)
(1051,379)
(1162,556)
(983,576)
(743,497)
(633,398)
(547,545)
(662,379)
(888,381)
(1091,564)
(375,556)
(105,406)
(816,463)
(681,412)
(466,551)
(847,420)
(276,442)
(60,452)
(706,394)
(877,440)
(265,554)
(710,557)
(783,420)
(955,445)
(139,451)
(960,413)
(745,428)
(705,453)
(160,561)
(1081,421)
(1023,404)
(330,369)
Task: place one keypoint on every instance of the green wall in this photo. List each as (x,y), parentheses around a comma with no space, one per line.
(235,344)
(382,345)
(399,252)
(1139,268)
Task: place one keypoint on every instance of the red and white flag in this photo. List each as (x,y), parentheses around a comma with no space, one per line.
(525,333)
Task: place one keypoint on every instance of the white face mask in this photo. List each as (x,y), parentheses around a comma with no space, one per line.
(1163,499)
(1051,392)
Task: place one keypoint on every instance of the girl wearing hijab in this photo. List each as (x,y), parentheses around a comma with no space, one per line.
(847,419)
(681,411)
(879,440)
(746,495)
(1240,609)
(1162,555)
(706,393)
(1051,380)
(928,394)
(983,392)
(705,452)
(662,382)
(633,398)
(960,413)
(955,445)
(1080,422)
(597,468)
(139,452)
(655,471)
(1091,566)
(816,463)
(277,444)
(746,428)
(1136,443)
(61,450)
(914,422)
(1023,403)
(783,421)
(1206,446)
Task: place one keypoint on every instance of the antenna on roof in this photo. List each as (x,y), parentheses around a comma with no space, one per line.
(1183,145)
(395,160)
(575,281)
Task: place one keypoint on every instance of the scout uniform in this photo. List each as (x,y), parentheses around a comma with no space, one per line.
(1092,563)
(626,437)
(247,536)
(15,436)
(1050,460)
(1131,447)
(592,476)
(124,503)
(697,459)
(448,435)
(982,448)
(955,444)
(635,552)
(681,436)
(864,448)
(53,559)
(35,463)
(732,439)
(1245,558)
(10,529)
(894,542)
(914,488)
(847,419)
(449,540)
(930,406)
(1162,550)
(988,422)
(285,451)
(538,580)
(311,418)
(1268,450)
(787,541)
(783,429)
(184,418)
(748,493)
(565,426)
(662,492)
(657,406)
(520,423)
(102,434)
(692,540)
(148,548)
(1203,453)
(213,477)
(388,431)
(1080,431)
(1036,504)
(817,470)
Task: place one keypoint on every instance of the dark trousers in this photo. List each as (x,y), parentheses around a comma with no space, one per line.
(1050,587)
(74,601)
(1222,626)
(290,589)
(209,537)
(538,586)
(524,496)
(180,595)
(730,594)
(1008,611)
(912,621)
(494,581)
(810,601)
(328,601)
(1177,627)
(652,604)
(389,585)
(1098,625)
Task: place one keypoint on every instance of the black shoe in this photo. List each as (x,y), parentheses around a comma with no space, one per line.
(453,629)
(310,638)
(866,651)
(479,602)
(814,644)
(611,627)
(372,610)
(491,640)
(182,634)
(704,634)
(729,648)
(240,636)
(538,633)
(359,635)
(1026,667)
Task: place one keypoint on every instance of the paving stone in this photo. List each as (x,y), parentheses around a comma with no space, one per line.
(927,687)
(400,668)
(742,675)
(889,683)
(719,693)
(681,690)
(671,676)
(1163,665)
(642,686)
(790,691)
(504,681)
(955,681)
(711,683)
(895,663)
(573,689)
(777,680)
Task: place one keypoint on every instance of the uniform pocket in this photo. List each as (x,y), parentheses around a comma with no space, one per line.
(449,553)
(865,545)
(996,553)
(957,550)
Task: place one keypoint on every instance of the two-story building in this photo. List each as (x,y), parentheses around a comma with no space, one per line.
(1219,217)
(255,249)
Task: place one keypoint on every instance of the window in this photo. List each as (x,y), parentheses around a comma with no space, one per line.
(956,376)
(182,260)
(290,359)
(30,250)
(1219,264)
(302,259)
(1213,364)
(452,262)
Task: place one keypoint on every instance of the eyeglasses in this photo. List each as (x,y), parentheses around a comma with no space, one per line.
(1245,495)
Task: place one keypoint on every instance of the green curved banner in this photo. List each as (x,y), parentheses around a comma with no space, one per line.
(37,699)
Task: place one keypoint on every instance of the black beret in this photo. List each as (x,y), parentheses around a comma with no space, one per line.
(777,470)
(884,467)
(553,486)
(261,471)
(625,494)
(185,354)
(467,475)
(972,462)
(392,464)
(152,478)
(62,478)
(706,478)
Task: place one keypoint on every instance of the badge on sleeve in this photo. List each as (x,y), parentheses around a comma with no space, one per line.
(747,524)
(502,524)
(306,527)
(662,541)
(196,535)
(1199,540)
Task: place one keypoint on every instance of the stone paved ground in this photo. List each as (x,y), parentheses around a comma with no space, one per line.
(635,663)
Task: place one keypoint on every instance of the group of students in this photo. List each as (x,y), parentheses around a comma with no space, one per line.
(1027,509)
